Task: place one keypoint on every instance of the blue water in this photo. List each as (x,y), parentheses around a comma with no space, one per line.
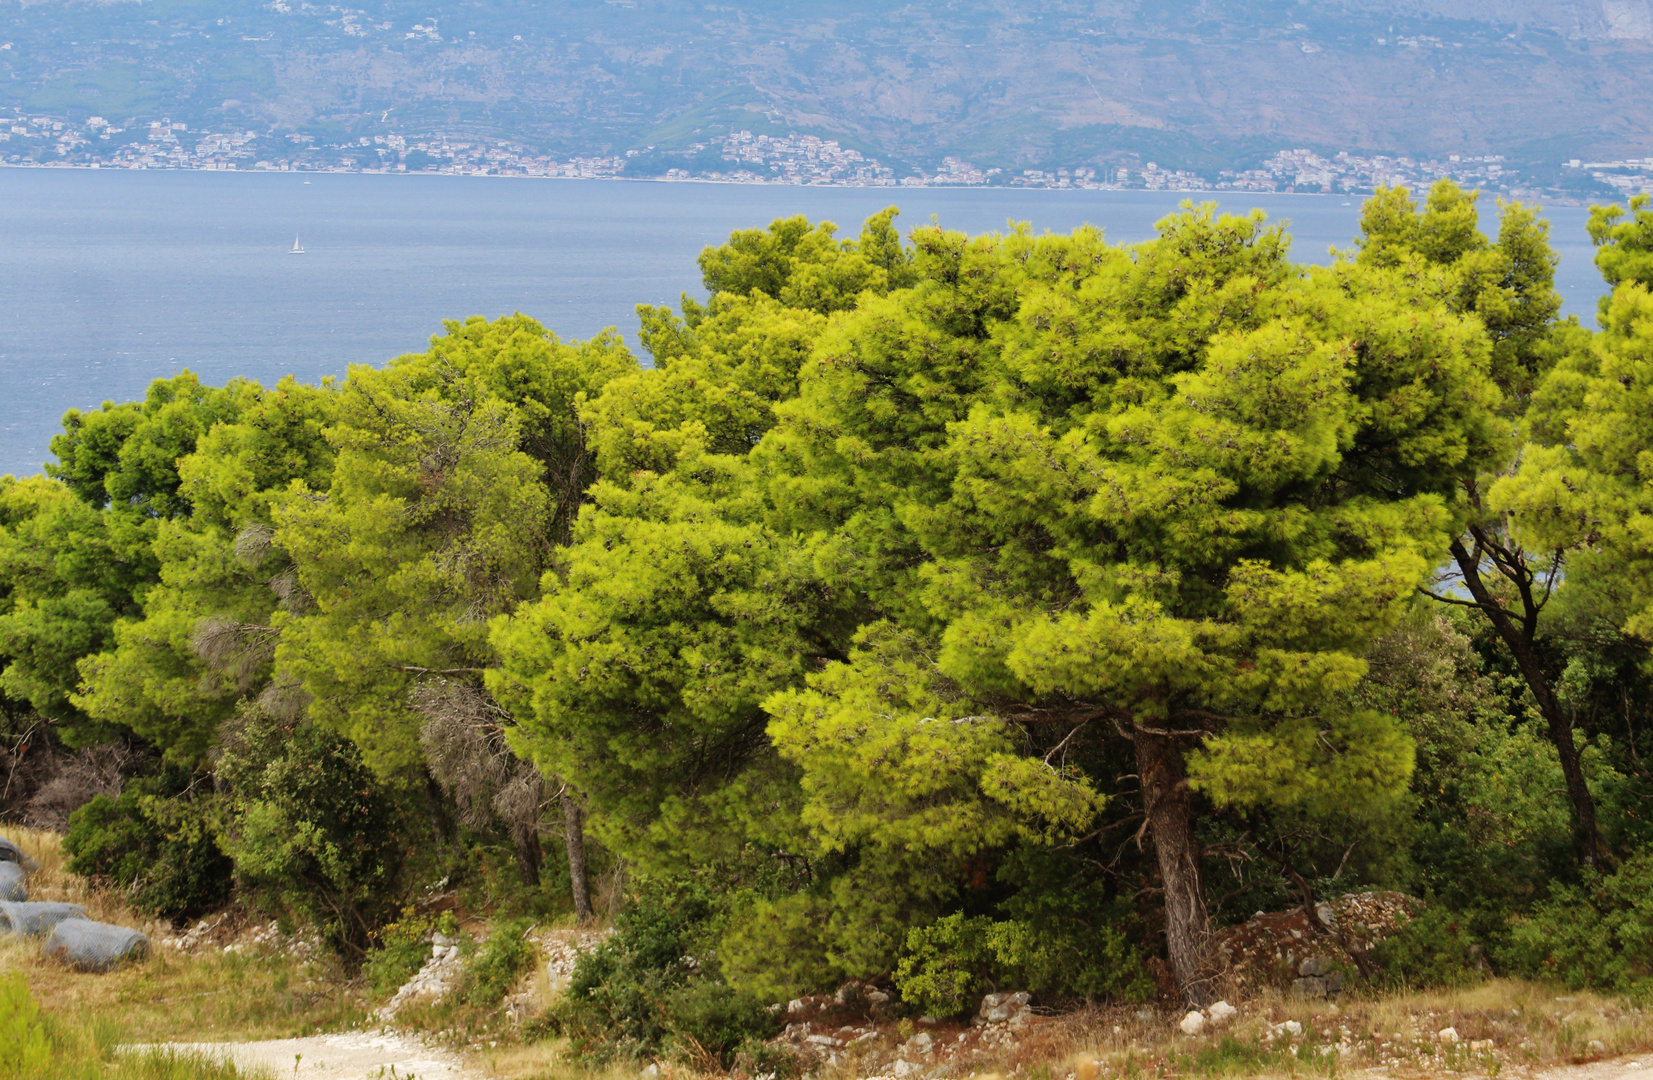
(111,279)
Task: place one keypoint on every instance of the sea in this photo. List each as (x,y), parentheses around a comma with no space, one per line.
(109,279)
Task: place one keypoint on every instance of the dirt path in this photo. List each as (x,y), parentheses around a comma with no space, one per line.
(348,1056)
(370,1056)
(1625,1068)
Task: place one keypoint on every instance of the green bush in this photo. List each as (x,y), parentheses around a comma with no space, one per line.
(403,948)
(948,965)
(1435,949)
(654,988)
(153,843)
(499,963)
(24,1048)
(1597,934)
(313,832)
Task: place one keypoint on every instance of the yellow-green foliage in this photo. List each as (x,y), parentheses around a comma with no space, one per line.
(24,1050)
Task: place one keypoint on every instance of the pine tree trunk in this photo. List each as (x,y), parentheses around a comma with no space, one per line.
(526,838)
(1168,803)
(437,803)
(1520,637)
(574,830)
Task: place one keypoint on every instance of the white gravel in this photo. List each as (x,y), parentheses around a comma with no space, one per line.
(348,1056)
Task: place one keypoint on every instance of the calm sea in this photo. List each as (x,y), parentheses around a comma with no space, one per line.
(111,279)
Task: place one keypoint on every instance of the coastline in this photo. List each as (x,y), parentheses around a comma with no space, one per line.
(907,183)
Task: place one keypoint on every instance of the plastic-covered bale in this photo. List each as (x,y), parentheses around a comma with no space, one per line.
(10,852)
(93,946)
(36,918)
(14,882)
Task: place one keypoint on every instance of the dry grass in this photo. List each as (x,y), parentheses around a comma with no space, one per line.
(547,1061)
(171,996)
(1500,1026)
(1503,1028)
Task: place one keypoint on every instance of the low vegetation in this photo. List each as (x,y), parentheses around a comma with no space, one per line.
(637,997)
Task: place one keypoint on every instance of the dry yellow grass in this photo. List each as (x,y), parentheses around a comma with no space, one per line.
(1497,1027)
(171,996)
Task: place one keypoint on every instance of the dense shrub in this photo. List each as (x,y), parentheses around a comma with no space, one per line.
(653,987)
(313,832)
(155,843)
(402,949)
(1433,950)
(1598,933)
(497,965)
(948,965)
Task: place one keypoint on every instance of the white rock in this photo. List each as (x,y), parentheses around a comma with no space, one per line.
(999,1008)
(1292,1027)
(1193,1023)
(1221,1011)
(651,1070)
(905,1068)
(1447,1035)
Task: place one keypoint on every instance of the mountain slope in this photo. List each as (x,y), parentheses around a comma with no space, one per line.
(1002,83)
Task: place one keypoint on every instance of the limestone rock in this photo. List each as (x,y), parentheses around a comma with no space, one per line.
(1002,1008)
(1270,949)
(1193,1023)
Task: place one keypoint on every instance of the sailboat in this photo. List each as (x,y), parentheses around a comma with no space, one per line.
(296,249)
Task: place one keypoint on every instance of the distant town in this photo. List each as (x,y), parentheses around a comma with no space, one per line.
(742,157)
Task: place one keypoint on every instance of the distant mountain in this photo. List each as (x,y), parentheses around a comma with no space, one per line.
(1001,83)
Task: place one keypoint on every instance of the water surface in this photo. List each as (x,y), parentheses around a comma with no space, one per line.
(110,279)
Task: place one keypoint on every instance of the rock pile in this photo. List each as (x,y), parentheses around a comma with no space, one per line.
(1195,1021)
(439,975)
(1284,950)
(562,950)
(230,932)
(844,1031)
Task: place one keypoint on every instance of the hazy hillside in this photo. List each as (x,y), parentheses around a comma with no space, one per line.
(1002,83)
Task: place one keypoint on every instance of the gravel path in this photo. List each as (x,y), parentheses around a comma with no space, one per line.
(348,1056)
(1625,1068)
